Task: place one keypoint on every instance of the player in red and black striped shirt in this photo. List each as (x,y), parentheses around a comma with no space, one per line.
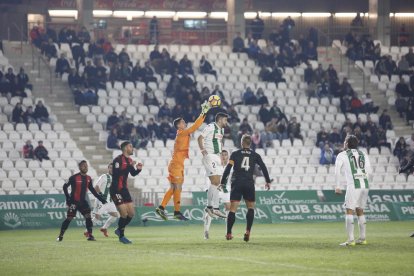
(123,165)
(76,200)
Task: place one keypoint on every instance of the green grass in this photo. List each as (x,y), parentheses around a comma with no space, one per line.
(283,249)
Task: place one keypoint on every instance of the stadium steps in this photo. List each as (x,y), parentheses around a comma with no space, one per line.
(356,76)
(62,105)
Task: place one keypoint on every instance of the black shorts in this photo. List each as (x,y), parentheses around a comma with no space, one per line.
(247,192)
(121,197)
(82,207)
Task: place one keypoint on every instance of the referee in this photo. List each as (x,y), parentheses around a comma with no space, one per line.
(243,162)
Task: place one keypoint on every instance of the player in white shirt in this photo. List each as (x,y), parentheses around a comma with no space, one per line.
(211,142)
(102,187)
(356,167)
(224,196)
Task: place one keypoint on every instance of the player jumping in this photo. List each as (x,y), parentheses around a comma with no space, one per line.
(102,186)
(76,199)
(224,197)
(211,143)
(122,167)
(243,162)
(176,165)
(357,169)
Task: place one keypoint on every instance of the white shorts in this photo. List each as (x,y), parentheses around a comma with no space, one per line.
(356,198)
(107,208)
(224,197)
(212,164)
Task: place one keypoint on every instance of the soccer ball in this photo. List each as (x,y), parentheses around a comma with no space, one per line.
(214,100)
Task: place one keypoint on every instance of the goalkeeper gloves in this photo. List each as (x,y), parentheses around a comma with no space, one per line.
(205,107)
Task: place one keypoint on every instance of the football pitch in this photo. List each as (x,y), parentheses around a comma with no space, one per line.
(277,249)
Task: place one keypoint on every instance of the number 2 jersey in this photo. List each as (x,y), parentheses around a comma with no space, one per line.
(244,162)
(356,167)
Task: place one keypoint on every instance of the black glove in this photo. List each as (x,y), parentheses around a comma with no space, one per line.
(103,200)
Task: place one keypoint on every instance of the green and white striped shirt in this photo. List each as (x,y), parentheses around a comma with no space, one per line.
(104,183)
(213,138)
(356,167)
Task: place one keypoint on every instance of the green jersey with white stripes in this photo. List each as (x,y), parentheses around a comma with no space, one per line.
(356,167)
(104,183)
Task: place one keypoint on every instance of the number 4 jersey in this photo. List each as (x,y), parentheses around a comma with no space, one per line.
(356,167)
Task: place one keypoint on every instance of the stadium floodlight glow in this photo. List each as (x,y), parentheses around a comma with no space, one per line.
(250,15)
(265,14)
(316,14)
(285,14)
(63,13)
(346,14)
(160,14)
(218,15)
(194,14)
(128,14)
(102,13)
(404,14)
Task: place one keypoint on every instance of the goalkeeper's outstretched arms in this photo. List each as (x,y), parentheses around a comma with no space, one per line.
(205,107)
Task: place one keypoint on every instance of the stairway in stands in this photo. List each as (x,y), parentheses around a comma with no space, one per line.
(62,105)
(357,78)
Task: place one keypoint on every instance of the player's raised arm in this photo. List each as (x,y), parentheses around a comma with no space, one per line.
(338,166)
(205,107)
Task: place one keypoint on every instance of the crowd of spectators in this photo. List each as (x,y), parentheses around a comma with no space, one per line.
(404,151)
(39,153)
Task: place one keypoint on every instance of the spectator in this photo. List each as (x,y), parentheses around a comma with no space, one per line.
(400,150)
(4,85)
(186,81)
(89,73)
(248,97)
(309,74)
(256,140)
(368,104)
(186,66)
(74,80)
(335,140)
(153,130)
(165,111)
(331,72)
(143,133)
(410,142)
(149,97)
(260,97)
(238,44)
(86,96)
(23,80)
(265,74)
(123,56)
(402,88)
(17,114)
(153,30)
(382,139)
(78,54)
(29,116)
(311,53)
(112,141)
(62,65)
(245,128)
(28,150)
(409,116)
(276,112)
(327,155)
(264,113)
(293,130)
(257,27)
(165,130)
(357,23)
(137,73)
(112,121)
(356,104)
(403,66)
(400,105)
(253,50)
(322,138)
(156,58)
(410,57)
(385,120)
(136,139)
(206,68)
(49,50)
(84,36)
(41,152)
(287,25)
(233,116)
(148,73)
(40,113)
(319,73)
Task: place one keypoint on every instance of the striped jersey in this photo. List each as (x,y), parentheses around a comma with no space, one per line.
(104,184)
(213,138)
(356,167)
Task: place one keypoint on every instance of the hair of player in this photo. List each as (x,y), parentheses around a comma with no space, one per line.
(81,162)
(124,144)
(225,151)
(352,141)
(246,140)
(220,115)
(177,121)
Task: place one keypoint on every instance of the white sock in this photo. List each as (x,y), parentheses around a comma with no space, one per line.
(207,222)
(362,226)
(210,195)
(349,223)
(109,221)
(216,198)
